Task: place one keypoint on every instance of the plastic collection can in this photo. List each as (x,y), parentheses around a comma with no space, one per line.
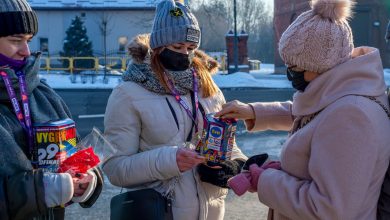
(55,141)
(217,139)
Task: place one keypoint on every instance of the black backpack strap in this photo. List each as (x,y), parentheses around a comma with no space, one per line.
(189,136)
(173,113)
(201,109)
(372,98)
(383,208)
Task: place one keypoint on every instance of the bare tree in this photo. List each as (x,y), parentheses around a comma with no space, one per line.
(142,20)
(216,19)
(105,31)
(213,22)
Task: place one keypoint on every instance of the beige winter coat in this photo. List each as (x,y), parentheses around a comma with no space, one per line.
(145,136)
(333,167)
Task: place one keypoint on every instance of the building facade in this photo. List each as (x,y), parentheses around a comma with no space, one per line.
(369,25)
(114,22)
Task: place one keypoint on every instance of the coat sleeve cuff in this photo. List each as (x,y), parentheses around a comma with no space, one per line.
(168,154)
(265,181)
(58,188)
(67,187)
(270,115)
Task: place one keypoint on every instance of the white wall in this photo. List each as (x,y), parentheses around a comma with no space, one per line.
(53,25)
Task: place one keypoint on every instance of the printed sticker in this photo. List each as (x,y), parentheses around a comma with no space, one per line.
(193,35)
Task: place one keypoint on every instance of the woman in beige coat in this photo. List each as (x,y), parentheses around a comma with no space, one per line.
(336,155)
(156,110)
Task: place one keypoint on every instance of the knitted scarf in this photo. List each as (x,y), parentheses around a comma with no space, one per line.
(45,105)
(143,75)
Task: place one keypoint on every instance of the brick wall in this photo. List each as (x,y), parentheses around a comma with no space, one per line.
(243,64)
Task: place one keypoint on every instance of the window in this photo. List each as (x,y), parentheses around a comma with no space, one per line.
(122,41)
(44,45)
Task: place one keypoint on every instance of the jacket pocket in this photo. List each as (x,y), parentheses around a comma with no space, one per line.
(214,192)
(173,113)
(30,199)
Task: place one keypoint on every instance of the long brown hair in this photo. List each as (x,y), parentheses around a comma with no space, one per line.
(204,65)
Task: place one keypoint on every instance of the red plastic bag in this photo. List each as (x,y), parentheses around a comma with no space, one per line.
(80,162)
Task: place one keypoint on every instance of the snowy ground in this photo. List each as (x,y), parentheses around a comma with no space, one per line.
(223,80)
(262,78)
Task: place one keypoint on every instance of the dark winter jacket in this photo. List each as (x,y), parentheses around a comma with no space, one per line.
(21,188)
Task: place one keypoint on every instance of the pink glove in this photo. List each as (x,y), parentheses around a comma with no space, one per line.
(240,183)
(272,164)
(255,172)
(248,180)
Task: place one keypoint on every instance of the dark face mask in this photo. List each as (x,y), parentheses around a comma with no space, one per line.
(297,79)
(175,61)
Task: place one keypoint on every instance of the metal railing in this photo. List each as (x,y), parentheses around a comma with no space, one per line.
(105,64)
(79,64)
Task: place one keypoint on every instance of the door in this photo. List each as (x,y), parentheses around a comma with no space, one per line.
(361,28)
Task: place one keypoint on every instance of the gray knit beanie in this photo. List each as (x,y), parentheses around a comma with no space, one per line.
(173,23)
(319,39)
(17,17)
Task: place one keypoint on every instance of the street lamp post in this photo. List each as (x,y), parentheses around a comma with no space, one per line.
(104,23)
(235,42)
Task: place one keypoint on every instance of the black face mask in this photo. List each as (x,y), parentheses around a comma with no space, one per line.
(175,61)
(297,79)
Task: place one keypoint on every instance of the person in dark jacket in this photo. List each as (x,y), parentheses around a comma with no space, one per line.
(27,192)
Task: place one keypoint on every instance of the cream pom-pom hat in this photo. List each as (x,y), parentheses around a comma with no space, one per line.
(319,39)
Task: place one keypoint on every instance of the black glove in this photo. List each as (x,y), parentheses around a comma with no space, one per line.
(257,159)
(219,176)
(98,189)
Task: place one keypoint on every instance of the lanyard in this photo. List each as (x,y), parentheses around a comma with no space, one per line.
(182,102)
(23,116)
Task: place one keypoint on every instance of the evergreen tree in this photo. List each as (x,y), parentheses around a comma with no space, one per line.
(77,44)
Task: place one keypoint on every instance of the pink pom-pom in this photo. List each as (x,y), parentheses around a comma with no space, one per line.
(335,10)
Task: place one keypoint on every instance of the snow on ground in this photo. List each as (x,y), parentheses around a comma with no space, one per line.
(64,81)
(262,78)
(247,80)
(265,68)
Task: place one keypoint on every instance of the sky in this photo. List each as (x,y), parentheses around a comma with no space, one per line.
(270,3)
